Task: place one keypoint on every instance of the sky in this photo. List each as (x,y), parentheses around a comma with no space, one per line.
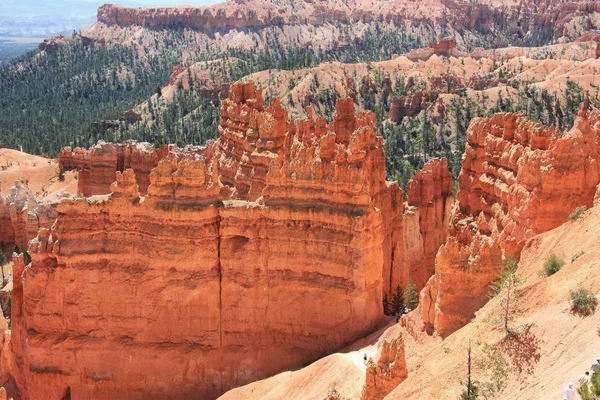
(45,18)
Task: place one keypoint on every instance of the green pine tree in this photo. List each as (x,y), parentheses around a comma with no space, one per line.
(411,299)
(590,391)
(398,301)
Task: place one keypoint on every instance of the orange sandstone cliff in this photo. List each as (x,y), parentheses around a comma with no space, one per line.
(518,179)
(263,250)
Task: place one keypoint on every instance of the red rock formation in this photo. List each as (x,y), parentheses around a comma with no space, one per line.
(387,371)
(51,46)
(266,249)
(98,166)
(17,204)
(444,47)
(418,227)
(177,71)
(591,37)
(430,197)
(408,106)
(7,232)
(213,276)
(131,117)
(518,179)
(221,16)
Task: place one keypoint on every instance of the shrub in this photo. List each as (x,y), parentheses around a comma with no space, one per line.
(578,212)
(6,309)
(398,301)
(553,264)
(590,391)
(583,301)
(471,393)
(411,296)
(386,304)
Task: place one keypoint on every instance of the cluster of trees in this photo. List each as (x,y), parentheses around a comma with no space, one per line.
(49,101)
(412,142)
(189,119)
(402,301)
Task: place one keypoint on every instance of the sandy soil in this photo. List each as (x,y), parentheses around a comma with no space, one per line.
(40,174)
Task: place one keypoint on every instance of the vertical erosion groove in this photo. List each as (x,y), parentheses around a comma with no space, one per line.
(219,269)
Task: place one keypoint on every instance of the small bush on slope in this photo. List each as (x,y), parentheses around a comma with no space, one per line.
(553,264)
(578,212)
(473,394)
(411,296)
(507,287)
(583,301)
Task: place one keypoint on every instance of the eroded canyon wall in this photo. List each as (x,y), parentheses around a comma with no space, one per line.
(262,251)
(418,227)
(518,179)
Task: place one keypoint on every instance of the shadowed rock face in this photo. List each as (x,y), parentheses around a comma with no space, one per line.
(263,250)
(518,179)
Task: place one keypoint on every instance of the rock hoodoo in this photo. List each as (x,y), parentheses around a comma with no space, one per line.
(446,47)
(518,179)
(387,371)
(263,250)
(21,216)
(98,166)
(408,106)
